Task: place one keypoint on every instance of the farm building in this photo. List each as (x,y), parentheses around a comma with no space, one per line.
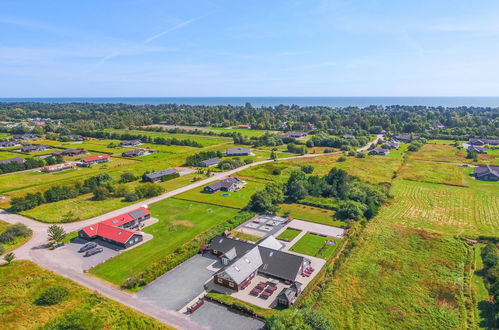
(89,161)
(58,167)
(69,152)
(406,138)
(34,148)
(243,260)
(118,230)
(8,144)
(158,176)
(379,151)
(130,143)
(228,184)
(295,134)
(486,173)
(138,152)
(17,160)
(209,162)
(474,148)
(238,152)
(288,295)
(481,142)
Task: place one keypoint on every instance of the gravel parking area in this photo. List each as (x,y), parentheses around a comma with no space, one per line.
(69,255)
(179,286)
(219,317)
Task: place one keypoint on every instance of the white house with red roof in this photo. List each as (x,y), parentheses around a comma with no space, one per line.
(86,162)
(118,230)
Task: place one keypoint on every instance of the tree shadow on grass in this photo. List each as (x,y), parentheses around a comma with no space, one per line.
(487,314)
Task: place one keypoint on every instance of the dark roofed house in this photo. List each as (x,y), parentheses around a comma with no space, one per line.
(209,162)
(69,152)
(34,148)
(390,145)
(474,148)
(238,152)
(406,138)
(288,295)
(243,260)
(486,173)
(18,160)
(481,142)
(138,152)
(130,143)
(294,134)
(379,151)
(8,144)
(228,184)
(118,230)
(25,136)
(158,176)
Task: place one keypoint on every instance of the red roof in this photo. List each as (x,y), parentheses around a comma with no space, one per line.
(110,228)
(94,158)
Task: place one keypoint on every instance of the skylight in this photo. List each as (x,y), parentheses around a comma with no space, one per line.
(236,268)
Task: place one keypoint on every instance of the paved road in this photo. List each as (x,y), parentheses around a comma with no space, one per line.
(367,146)
(34,250)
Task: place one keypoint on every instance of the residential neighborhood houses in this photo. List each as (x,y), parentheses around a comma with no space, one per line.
(379,151)
(58,167)
(18,160)
(119,230)
(237,152)
(486,173)
(406,138)
(390,145)
(34,148)
(228,184)
(293,134)
(474,148)
(89,161)
(481,142)
(26,136)
(8,144)
(159,176)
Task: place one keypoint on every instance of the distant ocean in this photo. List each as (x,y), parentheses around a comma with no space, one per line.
(273,101)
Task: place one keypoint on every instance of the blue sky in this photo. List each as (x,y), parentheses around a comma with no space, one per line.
(249,48)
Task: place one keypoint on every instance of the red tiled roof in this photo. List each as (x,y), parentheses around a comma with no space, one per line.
(110,228)
(94,158)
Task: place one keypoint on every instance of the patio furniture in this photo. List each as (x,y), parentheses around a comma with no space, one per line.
(265,295)
(270,289)
(255,292)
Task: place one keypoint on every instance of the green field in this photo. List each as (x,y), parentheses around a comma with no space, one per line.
(237,199)
(8,154)
(398,277)
(426,171)
(289,234)
(21,283)
(315,245)
(83,207)
(179,222)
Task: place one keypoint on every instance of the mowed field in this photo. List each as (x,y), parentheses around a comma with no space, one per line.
(23,281)
(179,222)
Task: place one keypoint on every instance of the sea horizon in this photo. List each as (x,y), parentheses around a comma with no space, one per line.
(268,101)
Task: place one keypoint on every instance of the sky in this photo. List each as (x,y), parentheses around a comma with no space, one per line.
(161,48)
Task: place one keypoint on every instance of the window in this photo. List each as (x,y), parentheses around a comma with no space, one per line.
(219,280)
(231,284)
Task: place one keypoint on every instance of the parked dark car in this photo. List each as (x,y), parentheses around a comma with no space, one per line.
(93,251)
(87,247)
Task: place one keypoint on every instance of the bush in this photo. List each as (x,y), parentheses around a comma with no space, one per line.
(360,155)
(342,159)
(248,161)
(127,177)
(2,249)
(276,171)
(132,197)
(14,231)
(52,295)
(307,168)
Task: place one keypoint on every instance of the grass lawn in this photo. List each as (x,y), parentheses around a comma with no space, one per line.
(468,211)
(328,202)
(310,213)
(426,171)
(15,243)
(236,199)
(21,283)
(484,310)
(179,222)
(244,236)
(83,207)
(315,245)
(289,234)
(4,154)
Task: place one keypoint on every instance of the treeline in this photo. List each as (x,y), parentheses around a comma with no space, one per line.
(323,139)
(143,138)
(490,257)
(357,200)
(29,164)
(195,159)
(462,122)
(230,164)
